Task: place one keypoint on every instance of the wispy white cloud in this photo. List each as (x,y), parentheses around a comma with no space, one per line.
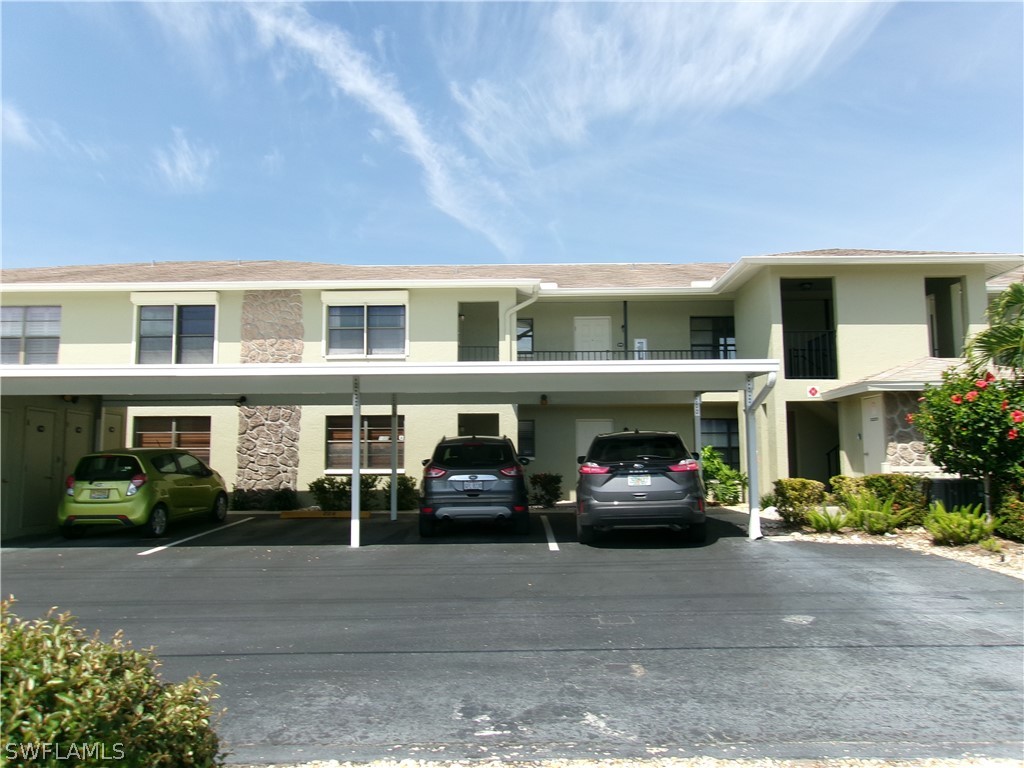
(588,63)
(184,166)
(17,129)
(47,136)
(452,181)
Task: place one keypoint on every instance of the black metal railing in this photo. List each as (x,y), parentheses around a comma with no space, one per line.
(623,354)
(810,354)
(478,354)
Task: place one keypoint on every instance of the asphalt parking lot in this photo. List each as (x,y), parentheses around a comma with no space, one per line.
(483,644)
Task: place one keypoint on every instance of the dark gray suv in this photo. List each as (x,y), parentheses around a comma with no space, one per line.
(474,478)
(639,480)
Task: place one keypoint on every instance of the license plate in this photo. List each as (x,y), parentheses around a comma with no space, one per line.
(473,485)
(99,494)
(639,480)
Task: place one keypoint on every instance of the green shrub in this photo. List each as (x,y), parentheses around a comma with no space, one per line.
(909,493)
(794,496)
(844,486)
(101,702)
(870,514)
(769,500)
(827,521)
(1011,516)
(725,484)
(959,526)
(371,497)
(332,492)
(545,489)
(408,496)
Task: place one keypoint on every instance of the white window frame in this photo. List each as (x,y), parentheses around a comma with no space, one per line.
(175,299)
(25,336)
(365,300)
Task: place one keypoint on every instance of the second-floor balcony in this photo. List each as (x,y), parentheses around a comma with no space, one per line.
(810,354)
(490,354)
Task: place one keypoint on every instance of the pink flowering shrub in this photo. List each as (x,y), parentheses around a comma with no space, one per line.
(974,426)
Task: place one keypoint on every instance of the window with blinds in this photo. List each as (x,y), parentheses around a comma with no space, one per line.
(29,335)
(375,446)
(190,433)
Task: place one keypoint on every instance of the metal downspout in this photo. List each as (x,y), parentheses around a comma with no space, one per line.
(509,324)
(750,417)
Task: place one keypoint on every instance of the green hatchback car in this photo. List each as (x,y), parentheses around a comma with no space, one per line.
(145,488)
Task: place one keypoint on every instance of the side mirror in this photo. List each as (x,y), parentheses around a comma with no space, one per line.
(425,462)
(580,459)
(524,460)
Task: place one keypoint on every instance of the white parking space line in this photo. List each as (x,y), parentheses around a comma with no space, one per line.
(552,544)
(189,538)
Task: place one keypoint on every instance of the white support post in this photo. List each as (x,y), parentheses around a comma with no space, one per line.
(697,443)
(357,420)
(750,412)
(394,457)
(753,497)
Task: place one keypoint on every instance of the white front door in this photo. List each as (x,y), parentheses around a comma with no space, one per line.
(592,337)
(873,434)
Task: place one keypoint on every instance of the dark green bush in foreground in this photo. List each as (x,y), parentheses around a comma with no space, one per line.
(795,496)
(69,699)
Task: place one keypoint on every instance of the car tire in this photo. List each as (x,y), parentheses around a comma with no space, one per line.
(586,534)
(427,526)
(219,513)
(697,533)
(156,525)
(521,523)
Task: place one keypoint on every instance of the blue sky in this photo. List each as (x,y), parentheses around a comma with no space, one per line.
(418,133)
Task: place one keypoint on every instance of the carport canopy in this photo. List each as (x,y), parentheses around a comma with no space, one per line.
(602,382)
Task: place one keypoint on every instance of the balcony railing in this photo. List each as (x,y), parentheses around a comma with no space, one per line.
(478,354)
(810,354)
(630,354)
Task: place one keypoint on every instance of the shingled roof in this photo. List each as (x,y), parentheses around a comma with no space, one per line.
(564,275)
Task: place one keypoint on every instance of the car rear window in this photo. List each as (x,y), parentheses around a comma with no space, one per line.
(92,468)
(470,455)
(630,448)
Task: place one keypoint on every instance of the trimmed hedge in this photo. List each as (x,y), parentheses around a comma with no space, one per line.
(70,699)
(794,496)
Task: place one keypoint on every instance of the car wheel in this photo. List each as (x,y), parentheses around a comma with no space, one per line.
(697,533)
(70,532)
(585,533)
(157,523)
(220,508)
(427,526)
(521,521)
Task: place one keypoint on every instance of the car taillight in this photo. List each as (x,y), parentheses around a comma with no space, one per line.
(434,472)
(689,465)
(590,468)
(69,485)
(136,482)
(512,471)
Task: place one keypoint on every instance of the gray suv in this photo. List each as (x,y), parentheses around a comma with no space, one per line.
(639,480)
(474,478)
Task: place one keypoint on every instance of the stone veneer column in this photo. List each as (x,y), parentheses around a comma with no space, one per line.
(905,448)
(268,436)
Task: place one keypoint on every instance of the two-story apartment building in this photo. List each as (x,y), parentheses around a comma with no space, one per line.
(276,371)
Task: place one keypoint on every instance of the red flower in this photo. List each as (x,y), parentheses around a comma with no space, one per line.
(989,376)
(1017,416)
(972,395)
(981,383)
(1006,404)
(910,418)
(957,399)
(1012,434)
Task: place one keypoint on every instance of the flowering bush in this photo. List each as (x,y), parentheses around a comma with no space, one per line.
(974,426)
